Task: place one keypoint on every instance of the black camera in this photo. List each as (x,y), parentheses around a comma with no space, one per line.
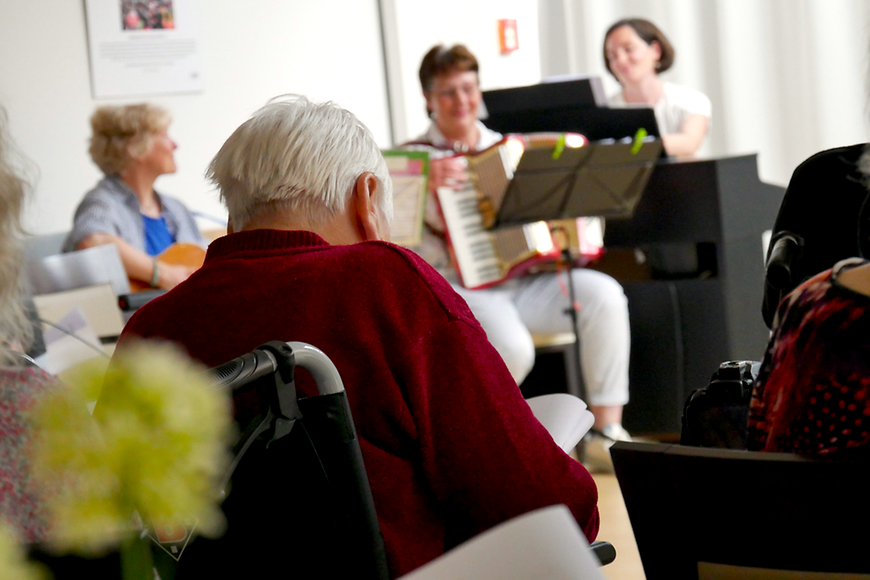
(716,416)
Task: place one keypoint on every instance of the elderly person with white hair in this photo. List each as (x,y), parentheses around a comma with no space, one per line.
(131,145)
(450,446)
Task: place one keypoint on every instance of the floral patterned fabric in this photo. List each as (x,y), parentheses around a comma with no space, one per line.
(20,388)
(812,395)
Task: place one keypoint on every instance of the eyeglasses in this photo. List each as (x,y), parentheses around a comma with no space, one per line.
(468,90)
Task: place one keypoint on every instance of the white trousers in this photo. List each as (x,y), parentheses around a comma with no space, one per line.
(509,313)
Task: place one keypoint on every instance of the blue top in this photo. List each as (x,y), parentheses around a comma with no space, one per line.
(157,236)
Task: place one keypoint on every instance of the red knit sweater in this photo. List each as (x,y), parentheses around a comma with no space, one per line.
(450,446)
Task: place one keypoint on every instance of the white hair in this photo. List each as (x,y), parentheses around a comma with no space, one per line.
(299,155)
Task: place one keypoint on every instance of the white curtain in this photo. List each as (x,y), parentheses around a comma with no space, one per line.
(787,77)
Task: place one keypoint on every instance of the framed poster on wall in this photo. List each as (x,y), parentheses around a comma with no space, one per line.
(143,47)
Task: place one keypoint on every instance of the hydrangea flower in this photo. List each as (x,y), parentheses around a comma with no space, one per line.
(156,445)
(12,561)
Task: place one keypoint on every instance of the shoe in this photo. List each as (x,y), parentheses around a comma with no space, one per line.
(596,447)
(616,432)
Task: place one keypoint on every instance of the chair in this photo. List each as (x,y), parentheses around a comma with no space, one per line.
(38,247)
(339,515)
(298,495)
(557,367)
(701,513)
(298,500)
(72,270)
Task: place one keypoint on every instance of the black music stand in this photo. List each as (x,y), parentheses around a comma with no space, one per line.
(566,94)
(598,179)
(594,123)
(576,106)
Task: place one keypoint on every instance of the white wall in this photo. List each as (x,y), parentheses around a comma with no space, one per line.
(413,27)
(786,77)
(252,51)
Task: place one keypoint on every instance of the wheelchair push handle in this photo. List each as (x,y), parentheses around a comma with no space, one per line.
(782,264)
(322,370)
(266,359)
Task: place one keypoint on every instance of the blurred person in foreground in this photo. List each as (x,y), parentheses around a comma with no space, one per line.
(812,394)
(22,383)
(450,446)
(132,147)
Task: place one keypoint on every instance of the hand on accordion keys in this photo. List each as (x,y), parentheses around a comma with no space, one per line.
(447,172)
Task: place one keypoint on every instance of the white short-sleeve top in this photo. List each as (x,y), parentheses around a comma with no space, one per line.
(677,103)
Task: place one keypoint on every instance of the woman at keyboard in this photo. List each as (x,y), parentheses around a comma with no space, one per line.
(513,310)
(131,146)
(635,53)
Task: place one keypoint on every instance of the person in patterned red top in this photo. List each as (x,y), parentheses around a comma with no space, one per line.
(812,395)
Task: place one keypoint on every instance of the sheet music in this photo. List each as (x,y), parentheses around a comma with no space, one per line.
(409,171)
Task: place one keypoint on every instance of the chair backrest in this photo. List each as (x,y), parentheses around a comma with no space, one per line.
(39,247)
(87,267)
(299,502)
(748,513)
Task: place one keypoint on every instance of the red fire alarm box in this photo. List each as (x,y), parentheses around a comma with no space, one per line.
(507,36)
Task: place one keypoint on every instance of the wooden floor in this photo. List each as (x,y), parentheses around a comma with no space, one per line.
(616,529)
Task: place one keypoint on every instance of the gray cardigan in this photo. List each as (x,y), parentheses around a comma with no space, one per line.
(112,208)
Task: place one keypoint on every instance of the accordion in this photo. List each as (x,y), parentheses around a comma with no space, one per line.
(486,257)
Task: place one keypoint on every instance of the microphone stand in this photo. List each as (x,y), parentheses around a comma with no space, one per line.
(573,370)
(575,381)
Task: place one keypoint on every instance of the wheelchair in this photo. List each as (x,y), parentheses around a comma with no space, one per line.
(298,499)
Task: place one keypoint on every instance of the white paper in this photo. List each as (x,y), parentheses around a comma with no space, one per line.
(98,304)
(565,417)
(408,198)
(131,61)
(71,341)
(543,544)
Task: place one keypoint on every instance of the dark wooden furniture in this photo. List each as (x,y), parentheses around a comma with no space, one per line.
(693,508)
(701,224)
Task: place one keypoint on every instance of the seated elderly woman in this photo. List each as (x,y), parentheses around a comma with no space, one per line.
(450,446)
(131,146)
(812,395)
(20,384)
